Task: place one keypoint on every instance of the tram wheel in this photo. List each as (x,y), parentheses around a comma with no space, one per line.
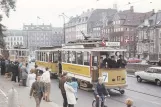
(139,79)
(122,91)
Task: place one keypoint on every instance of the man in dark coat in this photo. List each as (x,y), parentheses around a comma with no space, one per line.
(100,92)
(37,90)
(15,72)
(121,63)
(62,80)
(3,67)
(112,63)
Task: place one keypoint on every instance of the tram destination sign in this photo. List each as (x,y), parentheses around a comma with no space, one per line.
(112,43)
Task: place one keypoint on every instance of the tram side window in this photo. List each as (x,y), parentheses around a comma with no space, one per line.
(63,56)
(69,57)
(55,57)
(74,57)
(86,58)
(80,58)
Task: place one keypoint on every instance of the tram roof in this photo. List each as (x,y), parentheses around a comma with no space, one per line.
(100,49)
(47,50)
(17,49)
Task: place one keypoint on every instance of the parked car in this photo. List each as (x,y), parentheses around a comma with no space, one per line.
(134,60)
(152,74)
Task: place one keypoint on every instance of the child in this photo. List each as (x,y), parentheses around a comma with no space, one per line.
(74,84)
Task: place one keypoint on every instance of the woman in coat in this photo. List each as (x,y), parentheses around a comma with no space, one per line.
(24,74)
(70,93)
(31,78)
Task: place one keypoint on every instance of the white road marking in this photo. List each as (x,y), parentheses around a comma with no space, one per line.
(3,93)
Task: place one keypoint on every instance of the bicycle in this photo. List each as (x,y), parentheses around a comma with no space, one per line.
(100,101)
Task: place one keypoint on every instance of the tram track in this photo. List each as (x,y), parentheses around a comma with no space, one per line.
(143,93)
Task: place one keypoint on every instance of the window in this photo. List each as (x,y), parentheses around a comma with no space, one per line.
(80,58)
(157,71)
(86,58)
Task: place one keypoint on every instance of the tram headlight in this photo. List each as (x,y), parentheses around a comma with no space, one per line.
(113,79)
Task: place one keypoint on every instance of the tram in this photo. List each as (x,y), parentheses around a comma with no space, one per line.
(83,61)
(48,57)
(20,55)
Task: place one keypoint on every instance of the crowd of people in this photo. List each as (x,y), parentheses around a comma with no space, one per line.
(112,63)
(40,83)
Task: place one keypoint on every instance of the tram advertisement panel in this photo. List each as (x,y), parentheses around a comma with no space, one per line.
(52,66)
(113,76)
(77,69)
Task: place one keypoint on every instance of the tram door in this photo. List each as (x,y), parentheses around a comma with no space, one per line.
(95,66)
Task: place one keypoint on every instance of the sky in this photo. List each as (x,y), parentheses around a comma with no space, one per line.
(49,10)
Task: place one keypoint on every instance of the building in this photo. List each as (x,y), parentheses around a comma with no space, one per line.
(96,21)
(13,38)
(57,37)
(36,36)
(122,28)
(70,29)
(89,23)
(149,36)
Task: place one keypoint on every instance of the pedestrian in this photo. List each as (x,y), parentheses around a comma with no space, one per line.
(3,67)
(24,74)
(70,92)
(47,84)
(36,71)
(15,71)
(129,103)
(61,86)
(100,92)
(37,90)
(74,85)
(60,68)
(31,78)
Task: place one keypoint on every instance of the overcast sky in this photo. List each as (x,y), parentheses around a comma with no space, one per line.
(49,10)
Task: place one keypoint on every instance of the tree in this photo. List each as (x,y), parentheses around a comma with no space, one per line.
(7,5)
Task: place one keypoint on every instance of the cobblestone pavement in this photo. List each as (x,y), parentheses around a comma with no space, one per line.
(3,99)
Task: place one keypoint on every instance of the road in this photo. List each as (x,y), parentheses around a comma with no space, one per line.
(143,94)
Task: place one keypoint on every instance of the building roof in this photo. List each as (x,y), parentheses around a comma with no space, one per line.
(13,32)
(155,20)
(37,27)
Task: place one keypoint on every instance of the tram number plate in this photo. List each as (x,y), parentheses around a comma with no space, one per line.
(118,78)
(105,77)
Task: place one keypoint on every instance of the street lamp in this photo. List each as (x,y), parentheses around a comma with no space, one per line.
(63,15)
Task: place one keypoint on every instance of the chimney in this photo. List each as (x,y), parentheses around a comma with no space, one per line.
(153,10)
(132,8)
(83,12)
(92,9)
(88,10)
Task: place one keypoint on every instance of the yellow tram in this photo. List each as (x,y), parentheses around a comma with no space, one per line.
(20,55)
(48,57)
(83,61)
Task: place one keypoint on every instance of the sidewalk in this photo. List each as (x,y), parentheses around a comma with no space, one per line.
(23,94)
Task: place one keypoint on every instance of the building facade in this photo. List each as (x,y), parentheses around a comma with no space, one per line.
(13,38)
(36,36)
(122,28)
(70,29)
(149,36)
(57,37)
(89,23)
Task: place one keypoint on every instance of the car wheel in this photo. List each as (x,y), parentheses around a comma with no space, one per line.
(158,82)
(139,79)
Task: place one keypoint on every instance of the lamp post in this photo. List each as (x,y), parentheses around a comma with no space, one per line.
(63,16)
